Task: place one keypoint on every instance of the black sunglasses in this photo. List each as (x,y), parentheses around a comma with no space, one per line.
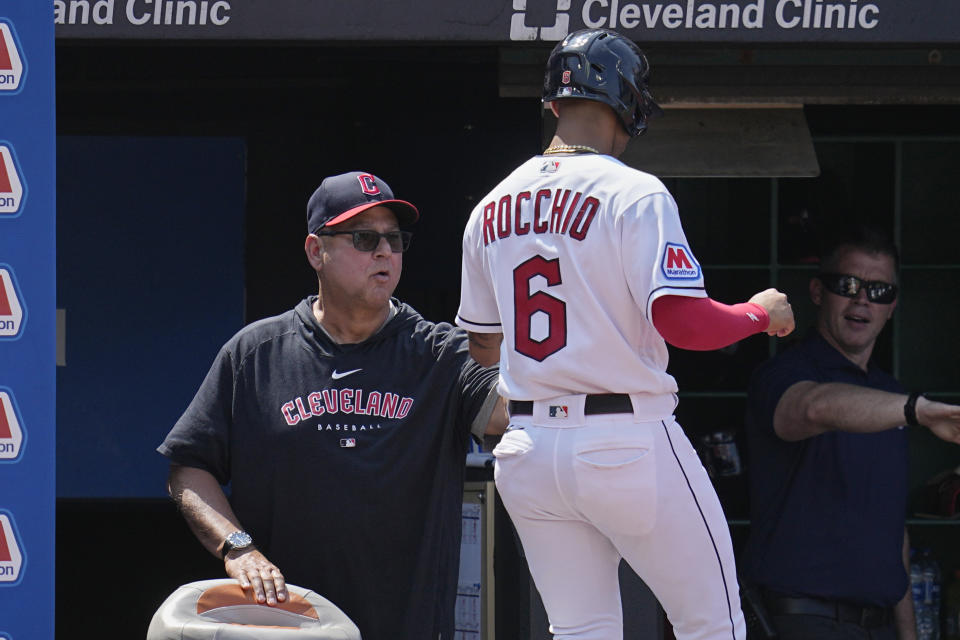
(849,287)
(366,240)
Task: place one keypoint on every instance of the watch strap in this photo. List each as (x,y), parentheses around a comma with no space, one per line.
(228,545)
(910,409)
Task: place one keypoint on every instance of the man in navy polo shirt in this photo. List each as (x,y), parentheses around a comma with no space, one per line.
(828,483)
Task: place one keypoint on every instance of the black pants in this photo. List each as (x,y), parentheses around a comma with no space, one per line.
(810,618)
(797,627)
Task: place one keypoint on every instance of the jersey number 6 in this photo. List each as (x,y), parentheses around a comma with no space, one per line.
(526,305)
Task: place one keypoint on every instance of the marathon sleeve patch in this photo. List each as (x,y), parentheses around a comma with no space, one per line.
(678,263)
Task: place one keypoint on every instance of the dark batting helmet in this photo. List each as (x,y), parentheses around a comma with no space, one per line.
(602,65)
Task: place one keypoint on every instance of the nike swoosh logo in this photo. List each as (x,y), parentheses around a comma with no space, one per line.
(336,375)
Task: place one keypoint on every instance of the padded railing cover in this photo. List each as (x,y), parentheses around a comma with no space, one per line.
(221,610)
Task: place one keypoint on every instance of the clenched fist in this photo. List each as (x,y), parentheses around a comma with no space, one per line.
(779,310)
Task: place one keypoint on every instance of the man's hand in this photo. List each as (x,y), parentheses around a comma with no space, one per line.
(779,310)
(252,569)
(941,418)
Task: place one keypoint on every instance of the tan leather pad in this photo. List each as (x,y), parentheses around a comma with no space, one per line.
(227,595)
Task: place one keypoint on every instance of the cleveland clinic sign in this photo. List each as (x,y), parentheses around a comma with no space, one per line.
(142,12)
(502,21)
(788,14)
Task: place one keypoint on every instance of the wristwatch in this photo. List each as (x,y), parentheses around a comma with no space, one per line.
(910,409)
(235,540)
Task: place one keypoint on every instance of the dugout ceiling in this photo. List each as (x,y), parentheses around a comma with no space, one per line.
(733,75)
(738,112)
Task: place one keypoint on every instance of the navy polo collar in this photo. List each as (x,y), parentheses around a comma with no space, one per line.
(827,355)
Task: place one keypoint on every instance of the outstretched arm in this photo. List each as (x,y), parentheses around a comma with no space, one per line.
(809,408)
(208,513)
(703,324)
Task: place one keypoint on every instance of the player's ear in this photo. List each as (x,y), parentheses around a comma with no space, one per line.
(314,250)
(554,108)
(816,291)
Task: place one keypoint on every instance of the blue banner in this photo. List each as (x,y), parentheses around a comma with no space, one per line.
(27,321)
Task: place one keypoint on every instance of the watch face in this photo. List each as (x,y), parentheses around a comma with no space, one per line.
(239,539)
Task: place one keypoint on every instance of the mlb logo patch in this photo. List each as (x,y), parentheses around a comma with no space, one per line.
(678,263)
(11,310)
(550,166)
(558,411)
(348,443)
(11,557)
(11,63)
(11,435)
(11,186)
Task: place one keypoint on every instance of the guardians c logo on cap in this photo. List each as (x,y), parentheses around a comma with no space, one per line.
(341,197)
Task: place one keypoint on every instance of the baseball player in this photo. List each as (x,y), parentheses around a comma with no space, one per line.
(575,272)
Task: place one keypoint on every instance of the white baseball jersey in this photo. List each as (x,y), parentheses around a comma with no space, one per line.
(565,257)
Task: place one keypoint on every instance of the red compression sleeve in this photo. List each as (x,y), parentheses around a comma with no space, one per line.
(702,324)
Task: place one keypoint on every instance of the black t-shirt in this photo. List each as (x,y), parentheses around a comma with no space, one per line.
(827,513)
(346,462)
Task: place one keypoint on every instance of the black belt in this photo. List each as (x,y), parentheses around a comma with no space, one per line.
(865,616)
(596,403)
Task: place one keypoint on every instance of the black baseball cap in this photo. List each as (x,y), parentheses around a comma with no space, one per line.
(339,198)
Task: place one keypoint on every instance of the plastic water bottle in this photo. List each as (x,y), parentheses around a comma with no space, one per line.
(919,592)
(931,579)
(925,589)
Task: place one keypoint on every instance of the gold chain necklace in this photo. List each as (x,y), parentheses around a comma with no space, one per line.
(569,148)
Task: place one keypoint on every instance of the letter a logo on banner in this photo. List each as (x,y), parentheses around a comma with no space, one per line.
(11,432)
(11,557)
(11,63)
(11,187)
(11,310)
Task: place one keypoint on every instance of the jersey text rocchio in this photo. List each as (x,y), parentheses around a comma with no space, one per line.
(547,211)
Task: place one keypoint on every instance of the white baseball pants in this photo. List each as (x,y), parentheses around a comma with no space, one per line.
(586,491)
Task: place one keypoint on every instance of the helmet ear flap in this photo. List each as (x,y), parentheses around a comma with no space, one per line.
(651,108)
(646,108)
